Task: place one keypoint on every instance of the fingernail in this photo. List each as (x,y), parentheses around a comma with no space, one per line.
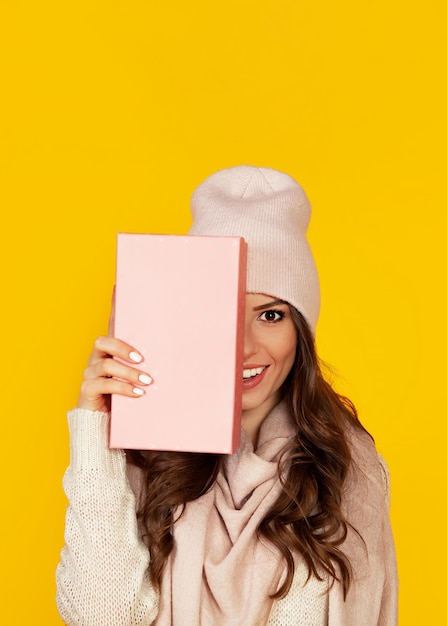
(145,379)
(135,357)
(137,391)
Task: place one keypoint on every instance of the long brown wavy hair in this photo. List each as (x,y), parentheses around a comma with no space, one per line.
(307,517)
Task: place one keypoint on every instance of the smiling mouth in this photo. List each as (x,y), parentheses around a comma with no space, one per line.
(253,372)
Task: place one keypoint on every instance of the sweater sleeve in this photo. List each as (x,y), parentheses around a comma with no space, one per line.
(102,575)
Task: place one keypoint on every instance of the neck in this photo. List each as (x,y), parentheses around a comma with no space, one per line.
(252,418)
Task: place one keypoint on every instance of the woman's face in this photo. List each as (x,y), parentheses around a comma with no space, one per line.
(269,352)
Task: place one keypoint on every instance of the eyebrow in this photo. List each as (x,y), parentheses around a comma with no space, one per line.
(269,304)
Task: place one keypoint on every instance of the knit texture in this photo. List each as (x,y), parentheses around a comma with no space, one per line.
(102,575)
(270,210)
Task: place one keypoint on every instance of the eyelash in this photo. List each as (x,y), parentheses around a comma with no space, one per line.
(281,315)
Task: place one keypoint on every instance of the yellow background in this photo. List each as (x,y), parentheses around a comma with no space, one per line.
(112,113)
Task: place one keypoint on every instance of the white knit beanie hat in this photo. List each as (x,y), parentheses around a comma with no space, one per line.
(271,212)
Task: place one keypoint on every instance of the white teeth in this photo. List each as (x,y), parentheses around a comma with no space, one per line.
(249,373)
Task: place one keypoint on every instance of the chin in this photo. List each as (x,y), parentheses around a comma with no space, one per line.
(253,404)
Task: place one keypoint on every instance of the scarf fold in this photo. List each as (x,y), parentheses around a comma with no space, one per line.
(220,572)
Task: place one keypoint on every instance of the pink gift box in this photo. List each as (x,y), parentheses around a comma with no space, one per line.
(180,301)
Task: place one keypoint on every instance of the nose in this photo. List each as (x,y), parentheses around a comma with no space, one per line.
(250,344)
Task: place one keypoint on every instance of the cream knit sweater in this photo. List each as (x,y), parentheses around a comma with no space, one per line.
(102,576)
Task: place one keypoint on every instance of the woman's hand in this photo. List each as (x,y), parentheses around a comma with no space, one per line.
(105,375)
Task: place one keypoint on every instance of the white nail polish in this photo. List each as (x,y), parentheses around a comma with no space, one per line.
(145,379)
(135,357)
(137,391)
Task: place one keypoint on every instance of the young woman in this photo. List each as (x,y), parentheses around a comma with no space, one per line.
(292,529)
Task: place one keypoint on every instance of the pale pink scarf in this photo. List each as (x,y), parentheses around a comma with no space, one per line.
(220,572)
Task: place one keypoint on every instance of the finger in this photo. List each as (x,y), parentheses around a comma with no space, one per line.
(95,387)
(110,346)
(110,368)
(95,393)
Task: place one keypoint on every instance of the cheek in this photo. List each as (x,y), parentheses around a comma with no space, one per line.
(286,356)
(290,360)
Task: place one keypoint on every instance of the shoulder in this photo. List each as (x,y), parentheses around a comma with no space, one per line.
(368,476)
(363,449)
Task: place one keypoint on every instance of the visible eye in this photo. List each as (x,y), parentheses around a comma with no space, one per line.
(271,316)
